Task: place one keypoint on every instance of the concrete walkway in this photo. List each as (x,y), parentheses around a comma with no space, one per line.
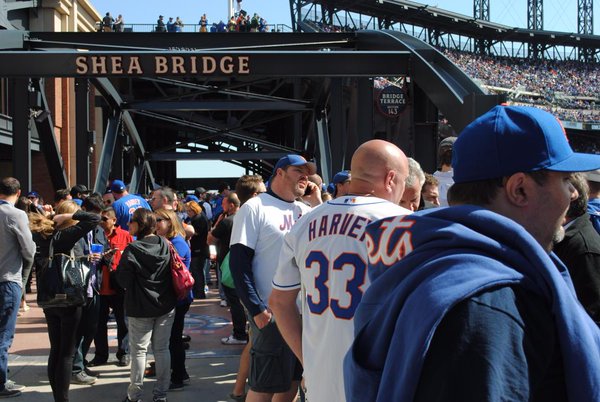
(211,365)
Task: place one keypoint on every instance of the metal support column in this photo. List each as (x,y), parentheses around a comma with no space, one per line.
(364,119)
(82,127)
(297,118)
(48,144)
(108,150)
(21,136)
(585,26)
(535,21)
(337,124)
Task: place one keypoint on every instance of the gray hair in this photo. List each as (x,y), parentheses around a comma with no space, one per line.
(416,176)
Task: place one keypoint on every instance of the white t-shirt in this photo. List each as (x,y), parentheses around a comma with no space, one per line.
(446,181)
(324,254)
(260,224)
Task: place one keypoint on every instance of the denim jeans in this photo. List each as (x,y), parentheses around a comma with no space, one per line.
(116,302)
(85,333)
(142,330)
(198,270)
(10,299)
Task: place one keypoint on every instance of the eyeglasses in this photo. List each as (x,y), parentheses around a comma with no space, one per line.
(32,198)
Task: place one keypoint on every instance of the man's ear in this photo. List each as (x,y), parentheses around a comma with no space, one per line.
(518,189)
(389,180)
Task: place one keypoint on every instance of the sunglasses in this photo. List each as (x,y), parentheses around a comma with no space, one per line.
(32,198)
(104,219)
(161,219)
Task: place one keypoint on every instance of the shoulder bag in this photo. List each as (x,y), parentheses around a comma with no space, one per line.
(64,281)
(183,281)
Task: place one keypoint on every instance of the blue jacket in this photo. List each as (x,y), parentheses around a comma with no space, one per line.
(453,254)
(183,249)
(594,211)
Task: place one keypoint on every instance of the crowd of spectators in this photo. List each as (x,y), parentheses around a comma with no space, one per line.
(239,22)
(568,88)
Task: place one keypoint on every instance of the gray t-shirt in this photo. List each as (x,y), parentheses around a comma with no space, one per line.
(16,243)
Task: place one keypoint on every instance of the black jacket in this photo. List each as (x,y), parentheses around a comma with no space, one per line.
(144,272)
(580,251)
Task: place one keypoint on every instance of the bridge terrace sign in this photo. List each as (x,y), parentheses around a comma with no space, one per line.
(69,63)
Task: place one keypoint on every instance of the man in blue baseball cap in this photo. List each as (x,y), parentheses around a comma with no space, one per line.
(125,204)
(341,183)
(470,297)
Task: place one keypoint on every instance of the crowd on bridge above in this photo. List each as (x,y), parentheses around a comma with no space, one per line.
(570,89)
(240,22)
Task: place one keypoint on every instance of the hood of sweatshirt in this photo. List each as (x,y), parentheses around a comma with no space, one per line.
(151,256)
(422,265)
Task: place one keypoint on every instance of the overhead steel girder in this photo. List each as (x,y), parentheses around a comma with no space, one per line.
(312,63)
(192,123)
(107,89)
(214,105)
(205,89)
(221,156)
(185,40)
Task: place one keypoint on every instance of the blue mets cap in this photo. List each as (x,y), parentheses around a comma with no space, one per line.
(511,139)
(117,186)
(294,160)
(341,177)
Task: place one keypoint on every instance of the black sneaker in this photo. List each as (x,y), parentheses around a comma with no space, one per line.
(186,338)
(129,400)
(124,361)
(94,363)
(9,393)
(176,387)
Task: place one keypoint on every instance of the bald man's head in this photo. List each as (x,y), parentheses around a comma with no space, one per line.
(379,168)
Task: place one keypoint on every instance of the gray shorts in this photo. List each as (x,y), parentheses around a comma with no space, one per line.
(273,365)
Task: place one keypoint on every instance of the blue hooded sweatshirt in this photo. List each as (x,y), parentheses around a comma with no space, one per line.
(450,255)
(594,211)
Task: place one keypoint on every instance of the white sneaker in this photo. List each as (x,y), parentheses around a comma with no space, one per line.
(205,289)
(224,303)
(230,340)
(12,386)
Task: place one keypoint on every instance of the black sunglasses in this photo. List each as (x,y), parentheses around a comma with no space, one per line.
(161,219)
(104,219)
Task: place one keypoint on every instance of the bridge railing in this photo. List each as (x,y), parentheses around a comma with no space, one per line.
(188,28)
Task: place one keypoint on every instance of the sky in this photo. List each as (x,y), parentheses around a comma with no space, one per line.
(559,15)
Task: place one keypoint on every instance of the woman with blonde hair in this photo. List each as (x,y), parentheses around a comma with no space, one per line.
(71,228)
(169,226)
(144,272)
(42,229)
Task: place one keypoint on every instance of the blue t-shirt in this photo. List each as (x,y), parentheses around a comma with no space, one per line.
(125,207)
(183,249)
(594,211)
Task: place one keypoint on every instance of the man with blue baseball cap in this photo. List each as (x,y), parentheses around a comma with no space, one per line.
(468,302)
(256,240)
(125,204)
(341,183)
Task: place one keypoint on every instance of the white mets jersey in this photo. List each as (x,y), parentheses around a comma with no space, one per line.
(324,255)
(260,224)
